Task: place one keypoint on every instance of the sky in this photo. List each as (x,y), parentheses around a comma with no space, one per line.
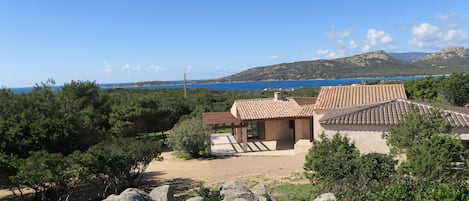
(116,41)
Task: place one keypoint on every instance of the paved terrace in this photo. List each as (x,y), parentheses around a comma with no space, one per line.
(226,144)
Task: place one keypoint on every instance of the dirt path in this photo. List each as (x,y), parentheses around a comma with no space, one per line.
(186,174)
(217,170)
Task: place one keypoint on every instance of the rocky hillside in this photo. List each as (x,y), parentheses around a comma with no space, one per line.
(450,57)
(409,56)
(372,64)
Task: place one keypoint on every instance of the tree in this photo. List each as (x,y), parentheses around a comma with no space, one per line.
(332,160)
(376,166)
(334,165)
(427,89)
(86,111)
(141,115)
(189,137)
(42,172)
(456,89)
(434,159)
(110,162)
(415,129)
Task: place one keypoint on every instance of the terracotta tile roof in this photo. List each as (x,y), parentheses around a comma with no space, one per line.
(268,108)
(219,118)
(332,97)
(390,113)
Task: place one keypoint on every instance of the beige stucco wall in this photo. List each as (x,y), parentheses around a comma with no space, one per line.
(234,111)
(316,125)
(302,129)
(278,130)
(367,139)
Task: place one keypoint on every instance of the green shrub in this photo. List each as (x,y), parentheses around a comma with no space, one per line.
(189,137)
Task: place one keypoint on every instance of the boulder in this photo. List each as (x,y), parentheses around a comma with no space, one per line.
(196,199)
(130,194)
(260,189)
(234,185)
(162,193)
(326,197)
(238,196)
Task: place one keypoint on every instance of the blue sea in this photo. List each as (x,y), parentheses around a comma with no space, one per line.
(251,86)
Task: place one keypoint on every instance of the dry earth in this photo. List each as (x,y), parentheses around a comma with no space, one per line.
(185,174)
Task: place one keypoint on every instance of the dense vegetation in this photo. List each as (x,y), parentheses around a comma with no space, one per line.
(435,169)
(57,142)
(452,90)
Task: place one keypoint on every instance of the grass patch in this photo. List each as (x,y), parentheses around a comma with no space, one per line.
(288,191)
(222,130)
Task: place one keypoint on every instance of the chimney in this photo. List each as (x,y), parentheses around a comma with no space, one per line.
(278,96)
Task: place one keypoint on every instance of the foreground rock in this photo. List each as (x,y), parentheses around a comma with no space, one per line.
(326,197)
(130,194)
(235,191)
(230,191)
(162,193)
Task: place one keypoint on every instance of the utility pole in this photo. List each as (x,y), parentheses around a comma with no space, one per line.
(185,90)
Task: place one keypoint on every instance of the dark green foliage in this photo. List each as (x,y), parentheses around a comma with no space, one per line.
(109,163)
(426,90)
(334,165)
(407,189)
(332,160)
(141,115)
(455,89)
(208,194)
(45,173)
(434,159)
(376,166)
(415,129)
(452,90)
(189,137)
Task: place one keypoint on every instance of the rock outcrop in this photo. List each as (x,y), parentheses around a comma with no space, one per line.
(235,191)
(130,194)
(326,197)
(230,191)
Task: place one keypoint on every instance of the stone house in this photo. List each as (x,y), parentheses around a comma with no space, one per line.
(365,124)
(277,118)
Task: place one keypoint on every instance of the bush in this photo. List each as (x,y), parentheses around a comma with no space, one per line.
(332,160)
(112,163)
(190,137)
(435,158)
(376,166)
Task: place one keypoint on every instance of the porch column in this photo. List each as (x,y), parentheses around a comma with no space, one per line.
(208,141)
(244,134)
(238,134)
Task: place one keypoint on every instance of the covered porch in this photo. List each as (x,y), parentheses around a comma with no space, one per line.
(226,144)
(283,135)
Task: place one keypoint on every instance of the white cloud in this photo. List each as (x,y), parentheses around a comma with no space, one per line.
(333,34)
(141,70)
(375,38)
(430,36)
(189,68)
(352,45)
(154,68)
(107,68)
(451,16)
(275,57)
(320,53)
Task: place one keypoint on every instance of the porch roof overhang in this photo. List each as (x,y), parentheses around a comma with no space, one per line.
(219,118)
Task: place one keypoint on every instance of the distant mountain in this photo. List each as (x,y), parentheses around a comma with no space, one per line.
(409,56)
(372,64)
